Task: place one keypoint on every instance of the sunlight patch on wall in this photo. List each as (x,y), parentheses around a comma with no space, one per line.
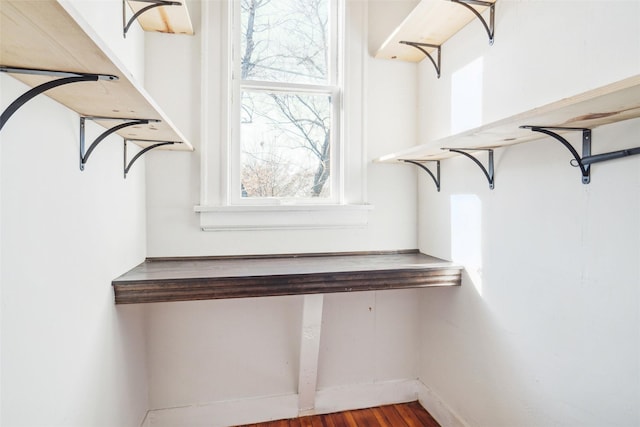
(466,97)
(466,235)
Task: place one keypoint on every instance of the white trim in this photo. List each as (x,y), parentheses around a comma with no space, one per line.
(368,395)
(214,101)
(271,408)
(309,351)
(216,57)
(278,217)
(265,86)
(225,413)
(441,412)
(204,106)
(335,399)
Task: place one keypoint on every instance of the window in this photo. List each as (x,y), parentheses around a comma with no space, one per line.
(286,101)
(283,128)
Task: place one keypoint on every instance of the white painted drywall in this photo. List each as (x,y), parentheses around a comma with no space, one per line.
(208,351)
(546,327)
(69,356)
(213,354)
(205,354)
(173,79)
(105,20)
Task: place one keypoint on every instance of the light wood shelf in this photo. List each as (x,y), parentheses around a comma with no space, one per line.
(51,35)
(163,19)
(607,104)
(432,22)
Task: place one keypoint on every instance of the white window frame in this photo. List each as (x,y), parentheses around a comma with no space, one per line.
(218,209)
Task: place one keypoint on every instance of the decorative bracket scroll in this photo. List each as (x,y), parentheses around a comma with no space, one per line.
(65,77)
(584,162)
(127,166)
(419,163)
(488,172)
(84,156)
(153,4)
(490,28)
(421,46)
(577,160)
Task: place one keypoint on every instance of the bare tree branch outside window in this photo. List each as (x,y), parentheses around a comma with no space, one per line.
(285,134)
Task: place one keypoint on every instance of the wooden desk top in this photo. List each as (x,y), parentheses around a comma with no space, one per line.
(186,279)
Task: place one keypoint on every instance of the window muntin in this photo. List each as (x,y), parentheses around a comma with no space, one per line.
(285,41)
(285,124)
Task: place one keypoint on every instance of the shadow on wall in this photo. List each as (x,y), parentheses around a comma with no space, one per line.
(460,333)
(466,235)
(466,355)
(114,372)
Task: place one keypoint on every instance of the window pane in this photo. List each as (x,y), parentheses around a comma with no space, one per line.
(285,142)
(284,40)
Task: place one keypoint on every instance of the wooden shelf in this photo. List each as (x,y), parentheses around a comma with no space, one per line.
(186,279)
(163,19)
(608,104)
(51,35)
(431,22)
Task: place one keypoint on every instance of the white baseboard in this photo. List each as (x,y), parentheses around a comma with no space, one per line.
(261,409)
(442,413)
(359,396)
(225,413)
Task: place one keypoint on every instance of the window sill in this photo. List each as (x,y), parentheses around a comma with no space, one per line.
(282,217)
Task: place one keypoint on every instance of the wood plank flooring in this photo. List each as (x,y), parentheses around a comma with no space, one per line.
(400,415)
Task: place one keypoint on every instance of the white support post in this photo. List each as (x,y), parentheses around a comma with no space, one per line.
(309,350)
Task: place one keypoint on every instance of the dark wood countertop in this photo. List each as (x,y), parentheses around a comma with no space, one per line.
(187,279)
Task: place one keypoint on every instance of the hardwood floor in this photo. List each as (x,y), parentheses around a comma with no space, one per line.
(400,415)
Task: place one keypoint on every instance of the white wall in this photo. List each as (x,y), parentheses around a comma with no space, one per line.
(545,329)
(173,227)
(223,350)
(104,20)
(69,356)
(230,362)
(209,351)
(214,351)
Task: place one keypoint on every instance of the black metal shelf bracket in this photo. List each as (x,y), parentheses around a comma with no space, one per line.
(127,165)
(489,171)
(65,77)
(585,169)
(420,164)
(421,46)
(153,4)
(584,162)
(490,28)
(84,156)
